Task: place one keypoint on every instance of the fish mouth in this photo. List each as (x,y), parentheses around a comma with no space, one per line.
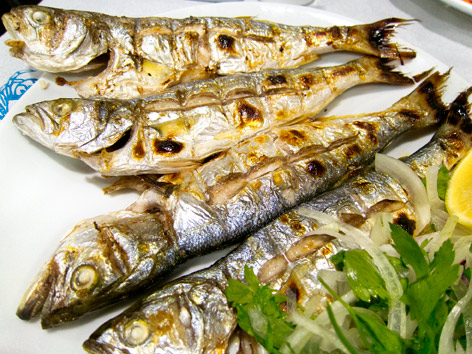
(97,345)
(37,295)
(93,345)
(32,124)
(12,25)
(42,300)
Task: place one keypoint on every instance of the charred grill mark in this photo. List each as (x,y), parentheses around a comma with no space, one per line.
(307,80)
(378,35)
(226,42)
(405,223)
(297,227)
(352,151)
(434,101)
(121,142)
(167,147)
(112,250)
(291,287)
(335,34)
(211,157)
(343,71)
(409,114)
(316,168)
(284,219)
(453,143)
(138,150)
(277,80)
(458,113)
(248,114)
(370,129)
(293,137)
(313,37)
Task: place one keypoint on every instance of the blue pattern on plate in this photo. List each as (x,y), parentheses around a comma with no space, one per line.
(16,86)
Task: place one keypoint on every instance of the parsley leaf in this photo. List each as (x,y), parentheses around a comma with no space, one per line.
(363,277)
(259,311)
(409,250)
(374,334)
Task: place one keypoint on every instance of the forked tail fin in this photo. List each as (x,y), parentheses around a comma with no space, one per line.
(375,39)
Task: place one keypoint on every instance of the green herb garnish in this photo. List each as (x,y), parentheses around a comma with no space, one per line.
(259,311)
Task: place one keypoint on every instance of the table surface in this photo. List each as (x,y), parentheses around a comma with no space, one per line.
(440,30)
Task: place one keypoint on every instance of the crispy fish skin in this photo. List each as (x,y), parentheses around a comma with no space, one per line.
(105,258)
(286,254)
(147,55)
(181,128)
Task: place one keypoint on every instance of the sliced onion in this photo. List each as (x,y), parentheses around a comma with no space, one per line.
(412,184)
(446,341)
(446,233)
(380,233)
(313,327)
(337,307)
(397,311)
(333,278)
(297,340)
(439,218)
(461,249)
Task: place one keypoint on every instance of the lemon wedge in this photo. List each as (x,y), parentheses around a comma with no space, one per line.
(459,191)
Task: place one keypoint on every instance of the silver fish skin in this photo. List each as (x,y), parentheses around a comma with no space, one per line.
(104,259)
(182,127)
(192,314)
(145,55)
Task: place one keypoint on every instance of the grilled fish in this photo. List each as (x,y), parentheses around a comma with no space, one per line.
(105,258)
(184,126)
(146,55)
(192,314)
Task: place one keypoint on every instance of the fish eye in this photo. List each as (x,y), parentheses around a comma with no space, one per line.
(84,278)
(62,108)
(136,332)
(40,17)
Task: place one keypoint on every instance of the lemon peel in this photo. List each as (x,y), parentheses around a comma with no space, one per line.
(459,191)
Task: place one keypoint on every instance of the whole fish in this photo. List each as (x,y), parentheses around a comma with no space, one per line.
(145,55)
(104,259)
(184,126)
(192,314)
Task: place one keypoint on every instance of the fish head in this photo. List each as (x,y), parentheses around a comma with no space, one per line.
(74,126)
(190,316)
(54,40)
(96,263)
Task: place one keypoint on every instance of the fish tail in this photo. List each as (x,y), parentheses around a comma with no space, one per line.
(456,132)
(381,70)
(375,39)
(426,98)
(459,113)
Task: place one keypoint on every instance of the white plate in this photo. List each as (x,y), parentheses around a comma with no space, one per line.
(460,5)
(43,194)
